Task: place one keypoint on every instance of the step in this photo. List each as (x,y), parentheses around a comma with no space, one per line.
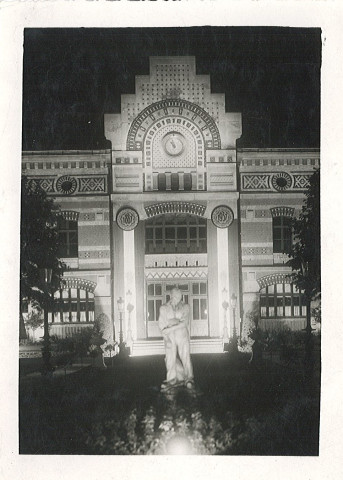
(156,347)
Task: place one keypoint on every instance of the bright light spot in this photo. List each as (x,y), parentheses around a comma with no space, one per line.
(179,445)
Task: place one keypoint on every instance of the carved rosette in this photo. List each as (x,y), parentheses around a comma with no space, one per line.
(222,216)
(281,181)
(66,185)
(127,219)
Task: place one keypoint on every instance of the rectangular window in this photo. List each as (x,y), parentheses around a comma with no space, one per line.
(68,238)
(176,234)
(281,300)
(282,234)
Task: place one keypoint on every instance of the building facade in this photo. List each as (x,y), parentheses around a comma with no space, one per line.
(175,203)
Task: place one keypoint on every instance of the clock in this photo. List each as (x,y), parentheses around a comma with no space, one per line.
(174,144)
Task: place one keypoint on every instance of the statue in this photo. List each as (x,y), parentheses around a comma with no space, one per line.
(174,325)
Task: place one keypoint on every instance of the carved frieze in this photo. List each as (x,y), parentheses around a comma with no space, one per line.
(274,182)
(70,184)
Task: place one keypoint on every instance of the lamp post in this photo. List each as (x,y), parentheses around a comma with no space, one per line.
(120,303)
(45,276)
(233,302)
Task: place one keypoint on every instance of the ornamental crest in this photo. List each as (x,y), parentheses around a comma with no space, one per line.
(127,219)
(222,216)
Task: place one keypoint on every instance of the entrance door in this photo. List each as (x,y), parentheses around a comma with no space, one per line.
(194,293)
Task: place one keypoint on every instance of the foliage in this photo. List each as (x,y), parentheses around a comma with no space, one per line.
(197,435)
(148,435)
(316,313)
(38,241)
(305,251)
(120,411)
(34,319)
(78,345)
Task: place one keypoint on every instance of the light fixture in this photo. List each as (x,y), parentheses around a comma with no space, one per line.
(120,303)
(233,300)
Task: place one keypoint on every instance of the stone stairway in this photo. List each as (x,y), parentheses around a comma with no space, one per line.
(156,347)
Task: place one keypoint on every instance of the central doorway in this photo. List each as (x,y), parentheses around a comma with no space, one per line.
(194,292)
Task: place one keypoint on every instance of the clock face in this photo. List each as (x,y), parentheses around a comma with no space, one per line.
(174,144)
(177,112)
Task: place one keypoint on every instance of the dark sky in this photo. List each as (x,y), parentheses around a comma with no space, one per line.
(73,76)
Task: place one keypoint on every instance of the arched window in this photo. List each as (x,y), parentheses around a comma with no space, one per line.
(72,305)
(282,300)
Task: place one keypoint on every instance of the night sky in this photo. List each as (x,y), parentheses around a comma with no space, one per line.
(73,76)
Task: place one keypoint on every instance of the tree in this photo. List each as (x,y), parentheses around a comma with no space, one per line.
(305,254)
(38,244)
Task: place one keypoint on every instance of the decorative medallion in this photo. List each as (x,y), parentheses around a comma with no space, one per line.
(66,185)
(281,181)
(127,219)
(222,216)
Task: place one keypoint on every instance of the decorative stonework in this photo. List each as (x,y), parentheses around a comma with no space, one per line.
(301,181)
(70,184)
(248,251)
(127,219)
(46,184)
(282,211)
(222,216)
(66,185)
(92,184)
(278,181)
(281,181)
(74,282)
(168,274)
(174,260)
(175,207)
(273,279)
(255,182)
(69,215)
(190,115)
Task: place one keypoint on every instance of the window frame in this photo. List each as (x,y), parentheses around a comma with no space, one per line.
(63,304)
(174,243)
(271,298)
(284,231)
(67,247)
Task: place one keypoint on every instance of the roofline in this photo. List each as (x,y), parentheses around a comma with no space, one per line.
(241,150)
(65,152)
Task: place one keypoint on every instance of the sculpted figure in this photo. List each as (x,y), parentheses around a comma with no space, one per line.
(174,324)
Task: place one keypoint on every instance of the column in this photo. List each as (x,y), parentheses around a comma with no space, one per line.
(168,180)
(181,182)
(223,278)
(130,330)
